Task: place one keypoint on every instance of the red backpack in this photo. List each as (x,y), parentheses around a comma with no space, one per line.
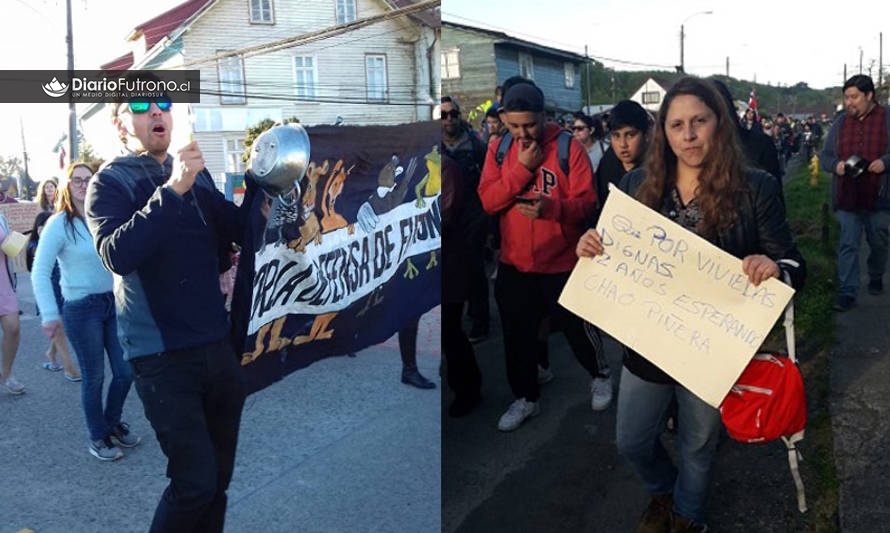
(768,402)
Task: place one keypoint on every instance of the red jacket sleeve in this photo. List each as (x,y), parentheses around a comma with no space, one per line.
(498,186)
(575,205)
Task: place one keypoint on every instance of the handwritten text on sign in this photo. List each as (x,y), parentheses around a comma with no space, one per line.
(674,298)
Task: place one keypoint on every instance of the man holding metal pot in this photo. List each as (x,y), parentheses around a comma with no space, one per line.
(160,224)
(857,152)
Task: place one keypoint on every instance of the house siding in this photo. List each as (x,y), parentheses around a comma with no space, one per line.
(478,73)
(270,78)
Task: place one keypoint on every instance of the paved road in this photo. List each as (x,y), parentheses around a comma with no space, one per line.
(341,445)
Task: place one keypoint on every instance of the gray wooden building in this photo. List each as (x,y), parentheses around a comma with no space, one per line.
(476,60)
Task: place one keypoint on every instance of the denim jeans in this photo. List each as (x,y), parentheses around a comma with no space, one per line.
(91,326)
(642,415)
(193,399)
(875,224)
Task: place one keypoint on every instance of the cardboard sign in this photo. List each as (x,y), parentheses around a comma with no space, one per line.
(674,298)
(20,215)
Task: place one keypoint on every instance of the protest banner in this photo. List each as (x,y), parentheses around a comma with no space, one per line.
(674,298)
(20,216)
(352,261)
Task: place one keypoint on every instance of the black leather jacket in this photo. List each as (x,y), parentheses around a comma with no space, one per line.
(761,228)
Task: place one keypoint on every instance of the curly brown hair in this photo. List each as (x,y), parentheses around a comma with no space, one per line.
(721,179)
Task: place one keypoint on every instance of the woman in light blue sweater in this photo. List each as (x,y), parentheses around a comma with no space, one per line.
(88,314)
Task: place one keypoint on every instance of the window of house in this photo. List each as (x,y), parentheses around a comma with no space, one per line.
(306,76)
(345,11)
(231,80)
(234,150)
(375,77)
(261,12)
(651,97)
(569,71)
(450,66)
(526,66)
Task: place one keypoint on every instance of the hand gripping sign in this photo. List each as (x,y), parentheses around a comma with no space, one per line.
(674,298)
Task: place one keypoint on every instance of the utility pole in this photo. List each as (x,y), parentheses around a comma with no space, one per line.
(72,111)
(727,66)
(27,176)
(587,81)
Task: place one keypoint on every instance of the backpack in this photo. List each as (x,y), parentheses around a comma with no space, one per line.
(563,144)
(768,402)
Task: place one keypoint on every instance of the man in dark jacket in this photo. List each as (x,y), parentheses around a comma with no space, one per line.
(468,151)
(159,223)
(860,195)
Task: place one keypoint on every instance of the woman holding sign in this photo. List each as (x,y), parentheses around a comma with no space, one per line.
(694,174)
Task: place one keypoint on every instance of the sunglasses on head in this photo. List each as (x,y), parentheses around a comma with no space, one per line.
(141,105)
(454,113)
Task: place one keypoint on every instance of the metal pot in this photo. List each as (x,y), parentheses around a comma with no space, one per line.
(855,166)
(279,158)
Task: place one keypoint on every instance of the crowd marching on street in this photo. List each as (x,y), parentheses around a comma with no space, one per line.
(527,188)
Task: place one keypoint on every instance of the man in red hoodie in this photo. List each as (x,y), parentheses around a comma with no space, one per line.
(542,214)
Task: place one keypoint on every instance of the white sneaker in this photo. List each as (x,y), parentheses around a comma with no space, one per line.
(600,393)
(516,414)
(545,375)
(13,386)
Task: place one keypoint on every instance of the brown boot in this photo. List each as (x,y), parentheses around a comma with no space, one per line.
(657,516)
(680,524)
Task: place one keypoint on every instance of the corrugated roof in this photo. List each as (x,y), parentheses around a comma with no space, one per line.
(502,37)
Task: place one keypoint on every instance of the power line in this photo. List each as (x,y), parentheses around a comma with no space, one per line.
(325,33)
(565,46)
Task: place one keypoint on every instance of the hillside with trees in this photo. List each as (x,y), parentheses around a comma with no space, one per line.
(601,85)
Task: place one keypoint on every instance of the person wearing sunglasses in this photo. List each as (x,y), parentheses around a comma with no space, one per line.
(88,315)
(461,143)
(160,226)
(585,129)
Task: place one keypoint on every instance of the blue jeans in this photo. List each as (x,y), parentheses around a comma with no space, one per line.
(91,326)
(193,399)
(875,224)
(642,415)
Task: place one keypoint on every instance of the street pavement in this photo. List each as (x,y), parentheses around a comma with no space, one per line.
(341,445)
(860,408)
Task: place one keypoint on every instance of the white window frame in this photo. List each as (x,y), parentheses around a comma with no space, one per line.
(309,91)
(451,64)
(526,65)
(375,92)
(650,97)
(568,70)
(345,11)
(232,155)
(232,86)
(261,11)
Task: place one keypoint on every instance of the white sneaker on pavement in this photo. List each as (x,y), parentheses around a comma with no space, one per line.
(600,393)
(517,413)
(545,375)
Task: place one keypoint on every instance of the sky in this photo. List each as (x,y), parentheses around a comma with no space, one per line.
(33,38)
(768,41)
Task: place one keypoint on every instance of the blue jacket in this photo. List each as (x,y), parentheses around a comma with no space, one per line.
(164,250)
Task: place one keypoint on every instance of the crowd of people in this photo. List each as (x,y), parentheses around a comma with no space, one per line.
(535,198)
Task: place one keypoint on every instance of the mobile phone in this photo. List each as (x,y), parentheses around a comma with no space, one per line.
(525,200)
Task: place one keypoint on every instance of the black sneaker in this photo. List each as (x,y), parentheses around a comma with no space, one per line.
(105,450)
(844,303)
(876,287)
(122,436)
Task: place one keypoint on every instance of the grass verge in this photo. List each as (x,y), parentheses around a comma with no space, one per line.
(816,232)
